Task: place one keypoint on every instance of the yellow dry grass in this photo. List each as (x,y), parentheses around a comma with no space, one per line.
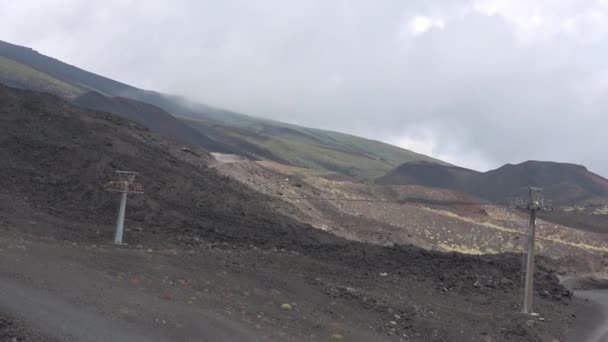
(553,239)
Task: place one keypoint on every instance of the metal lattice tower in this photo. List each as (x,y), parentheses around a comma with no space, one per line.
(124,185)
(535,201)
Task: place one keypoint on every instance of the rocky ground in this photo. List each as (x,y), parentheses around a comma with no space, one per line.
(211,258)
(168,292)
(431,218)
(15,330)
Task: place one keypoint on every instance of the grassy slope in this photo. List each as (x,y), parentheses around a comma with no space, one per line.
(386,153)
(292,144)
(313,148)
(19,75)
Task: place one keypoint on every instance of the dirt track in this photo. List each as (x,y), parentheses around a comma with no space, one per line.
(62,320)
(593,325)
(69,300)
(227,294)
(104,293)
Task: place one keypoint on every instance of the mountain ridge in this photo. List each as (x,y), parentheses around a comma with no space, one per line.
(564,183)
(235,132)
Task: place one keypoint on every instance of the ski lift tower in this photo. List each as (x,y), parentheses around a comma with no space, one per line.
(124,185)
(534,202)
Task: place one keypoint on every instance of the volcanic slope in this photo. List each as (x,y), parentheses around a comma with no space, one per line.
(58,156)
(202,245)
(152,117)
(564,183)
(579,196)
(18,75)
(432,218)
(253,137)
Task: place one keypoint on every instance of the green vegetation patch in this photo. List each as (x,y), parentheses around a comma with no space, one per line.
(16,74)
(310,148)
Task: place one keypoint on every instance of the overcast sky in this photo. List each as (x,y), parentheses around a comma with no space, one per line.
(478,83)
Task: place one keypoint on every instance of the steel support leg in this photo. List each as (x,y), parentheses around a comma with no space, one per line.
(120,223)
(529,285)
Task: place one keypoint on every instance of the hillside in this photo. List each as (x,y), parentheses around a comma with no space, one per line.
(17,75)
(562,182)
(154,118)
(427,217)
(433,175)
(204,245)
(309,148)
(62,71)
(58,156)
(565,184)
(579,196)
(246,135)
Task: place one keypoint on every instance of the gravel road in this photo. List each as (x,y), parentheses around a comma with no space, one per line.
(593,322)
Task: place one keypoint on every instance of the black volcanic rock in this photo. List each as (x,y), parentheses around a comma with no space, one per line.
(432,175)
(58,156)
(152,117)
(564,183)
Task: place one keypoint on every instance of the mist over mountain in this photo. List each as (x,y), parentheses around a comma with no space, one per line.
(215,129)
(476,83)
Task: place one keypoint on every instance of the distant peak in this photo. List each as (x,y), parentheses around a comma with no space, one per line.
(541,163)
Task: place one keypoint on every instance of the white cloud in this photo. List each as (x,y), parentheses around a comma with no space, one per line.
(423,140)
(542,20)
(420,24)
(475,81)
